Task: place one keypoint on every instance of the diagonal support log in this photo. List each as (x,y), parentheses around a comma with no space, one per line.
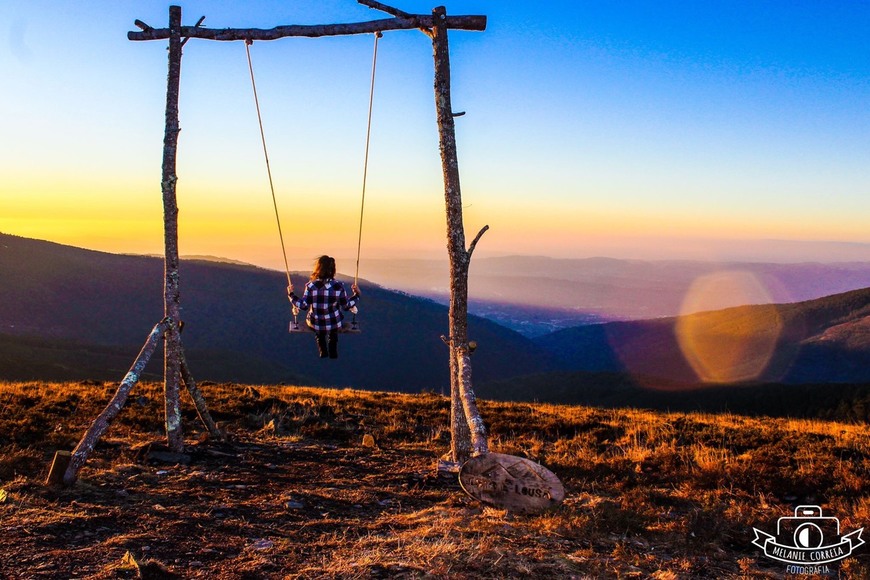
(101,423)
(198,400)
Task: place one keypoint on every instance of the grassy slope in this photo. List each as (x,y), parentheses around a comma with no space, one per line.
(294,493)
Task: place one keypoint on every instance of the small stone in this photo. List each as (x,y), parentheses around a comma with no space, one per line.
(368,441)
(263,544)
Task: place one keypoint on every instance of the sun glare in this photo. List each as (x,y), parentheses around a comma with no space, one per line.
(729,345)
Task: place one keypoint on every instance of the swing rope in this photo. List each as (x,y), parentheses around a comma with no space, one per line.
(248,44)
(366,162)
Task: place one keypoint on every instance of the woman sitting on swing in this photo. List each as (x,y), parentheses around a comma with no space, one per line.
(325,298)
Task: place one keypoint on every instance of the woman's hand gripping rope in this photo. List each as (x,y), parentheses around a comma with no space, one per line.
(289,292)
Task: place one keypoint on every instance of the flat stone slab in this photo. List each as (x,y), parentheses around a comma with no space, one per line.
(511,483)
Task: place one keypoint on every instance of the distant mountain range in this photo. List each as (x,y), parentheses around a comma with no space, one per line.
(69,313)
(508,290)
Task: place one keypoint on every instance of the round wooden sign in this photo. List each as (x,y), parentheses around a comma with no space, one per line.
(511,483)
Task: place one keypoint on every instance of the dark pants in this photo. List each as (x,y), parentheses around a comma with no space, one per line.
(327,344)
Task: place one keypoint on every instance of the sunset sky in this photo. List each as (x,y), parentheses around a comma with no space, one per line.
(631,129)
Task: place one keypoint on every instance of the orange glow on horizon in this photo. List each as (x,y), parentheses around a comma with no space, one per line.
(236,221)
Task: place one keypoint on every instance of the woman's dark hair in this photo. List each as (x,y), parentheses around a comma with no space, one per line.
(324,268)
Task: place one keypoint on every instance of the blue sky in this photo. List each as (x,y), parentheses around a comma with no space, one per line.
(633,129)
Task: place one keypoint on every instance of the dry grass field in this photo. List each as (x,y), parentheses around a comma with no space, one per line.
(295,493)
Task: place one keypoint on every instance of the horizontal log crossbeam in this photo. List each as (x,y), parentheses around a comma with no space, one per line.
(409,22)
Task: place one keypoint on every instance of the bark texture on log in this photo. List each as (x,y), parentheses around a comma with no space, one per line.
(101,423)
(476,427)
(171,295)
(198,400)
(468,435)
(460,435)
(313,31)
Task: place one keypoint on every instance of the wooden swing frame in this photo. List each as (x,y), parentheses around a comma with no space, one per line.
(467,428)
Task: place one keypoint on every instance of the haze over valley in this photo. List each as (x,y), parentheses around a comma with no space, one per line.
(538,295)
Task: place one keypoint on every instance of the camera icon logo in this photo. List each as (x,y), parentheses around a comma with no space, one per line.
(807,527)
(808,538)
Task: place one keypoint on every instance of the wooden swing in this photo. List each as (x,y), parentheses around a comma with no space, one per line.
(294,326)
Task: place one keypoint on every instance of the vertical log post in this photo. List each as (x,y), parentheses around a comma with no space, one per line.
(467,429)
(171,298)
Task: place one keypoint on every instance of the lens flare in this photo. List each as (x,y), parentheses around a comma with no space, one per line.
(731,345)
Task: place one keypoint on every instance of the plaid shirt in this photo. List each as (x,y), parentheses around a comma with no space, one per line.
(326,299)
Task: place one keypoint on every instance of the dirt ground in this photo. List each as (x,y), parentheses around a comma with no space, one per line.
(293,493)
(246,508)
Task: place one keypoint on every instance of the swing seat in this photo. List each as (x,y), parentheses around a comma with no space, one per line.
(351,328)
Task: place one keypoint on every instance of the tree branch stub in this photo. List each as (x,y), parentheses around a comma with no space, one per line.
(476,239)
(384,8)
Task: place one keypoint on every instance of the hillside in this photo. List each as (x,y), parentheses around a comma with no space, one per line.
(83,310)
(72,314)
(294,493)
(822,340)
